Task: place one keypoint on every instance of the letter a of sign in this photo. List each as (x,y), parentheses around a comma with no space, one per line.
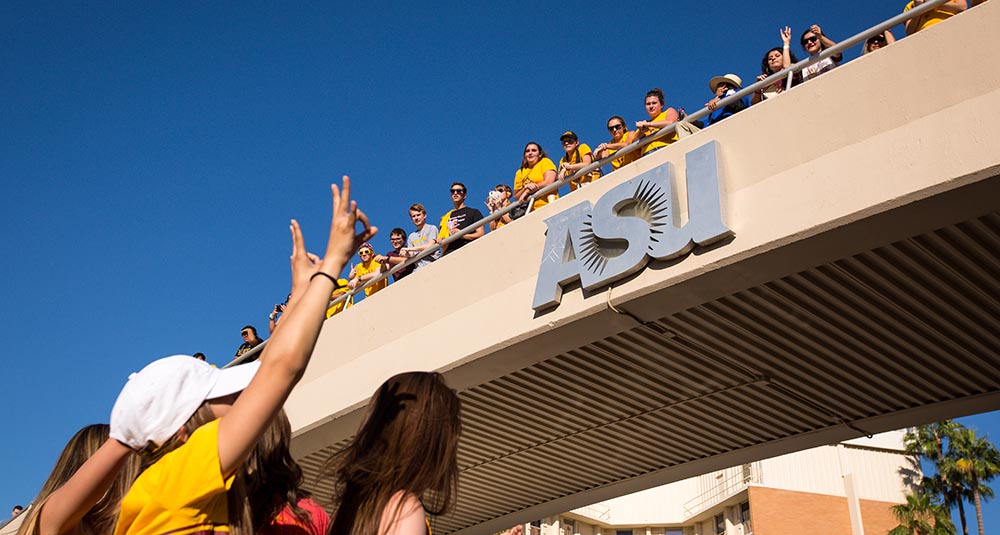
(630,224)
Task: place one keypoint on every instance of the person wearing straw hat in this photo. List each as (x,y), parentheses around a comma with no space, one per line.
(724,86)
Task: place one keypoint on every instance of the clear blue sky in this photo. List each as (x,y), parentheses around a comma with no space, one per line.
(153,153)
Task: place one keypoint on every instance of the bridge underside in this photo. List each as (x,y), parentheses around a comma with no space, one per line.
(896,335)
(860,293)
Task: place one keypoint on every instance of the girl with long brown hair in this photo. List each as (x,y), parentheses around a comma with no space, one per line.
(278,503)
(402,462)
(536,172)
(100,519)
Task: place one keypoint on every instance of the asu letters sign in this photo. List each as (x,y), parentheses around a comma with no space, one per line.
(629,225)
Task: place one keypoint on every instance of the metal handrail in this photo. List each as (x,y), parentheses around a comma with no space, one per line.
(663,132)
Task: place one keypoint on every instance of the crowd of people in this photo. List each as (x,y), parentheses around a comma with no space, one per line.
(191,448)
(538,170)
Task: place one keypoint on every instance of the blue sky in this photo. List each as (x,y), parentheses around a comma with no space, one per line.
(153,153)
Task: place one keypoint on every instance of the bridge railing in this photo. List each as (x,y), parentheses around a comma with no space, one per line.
(665,132)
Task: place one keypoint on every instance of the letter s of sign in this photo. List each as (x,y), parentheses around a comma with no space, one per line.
(631,223)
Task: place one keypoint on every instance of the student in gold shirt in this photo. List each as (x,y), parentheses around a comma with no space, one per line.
(659,118)
(536,172)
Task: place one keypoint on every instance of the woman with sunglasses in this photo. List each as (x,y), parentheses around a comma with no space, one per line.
(498,200)
(620,138)
(367,270)
(578,155)
(813,42)
(775,60)
(881,40)
(536,172)
(659,119)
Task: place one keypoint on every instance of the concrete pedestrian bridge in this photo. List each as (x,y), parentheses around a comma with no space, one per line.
(859,291)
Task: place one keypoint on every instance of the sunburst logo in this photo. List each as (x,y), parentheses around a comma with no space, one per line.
(650,202)
(630,224)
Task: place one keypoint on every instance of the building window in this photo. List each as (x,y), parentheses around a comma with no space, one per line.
(745,518)
(566,527)
(720,524)
(623,532)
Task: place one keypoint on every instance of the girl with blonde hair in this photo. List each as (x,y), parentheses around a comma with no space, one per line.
(100,519)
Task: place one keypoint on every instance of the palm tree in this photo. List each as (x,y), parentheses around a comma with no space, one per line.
(928,441)
(950,484)
(978,460)
(921,516)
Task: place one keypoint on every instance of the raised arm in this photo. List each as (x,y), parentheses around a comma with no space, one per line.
(827,42)
(286,355)
(786,43)
(65,507)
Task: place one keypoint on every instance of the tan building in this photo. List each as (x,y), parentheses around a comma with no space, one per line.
(845,489)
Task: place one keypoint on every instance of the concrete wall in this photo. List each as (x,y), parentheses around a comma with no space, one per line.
(858,141)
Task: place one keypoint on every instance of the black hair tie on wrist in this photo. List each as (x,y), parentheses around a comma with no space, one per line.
(336,283)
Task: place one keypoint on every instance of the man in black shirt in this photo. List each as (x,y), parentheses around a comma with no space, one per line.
(459,218)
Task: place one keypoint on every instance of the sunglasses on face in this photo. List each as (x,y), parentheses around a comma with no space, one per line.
(364,252)
(812,39)
(458,191)
(615,127)
(245,333)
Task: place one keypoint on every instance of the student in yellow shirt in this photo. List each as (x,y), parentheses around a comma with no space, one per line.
(342,305)
(659,118)
(578,155)
(932,17)
(620,138)
(536,172)
(367,270)
(188,421)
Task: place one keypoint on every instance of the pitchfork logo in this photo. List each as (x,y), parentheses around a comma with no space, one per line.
(629,225)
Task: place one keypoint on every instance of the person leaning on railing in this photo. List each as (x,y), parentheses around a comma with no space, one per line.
(876,42)
(536,172)
(620,138)
(776,59)
(458,219)
(934,16)
(724,86)
(813,41)
(578,155)
(423,237)
(659,118)
(391,259)
(367,270)
(499,199)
